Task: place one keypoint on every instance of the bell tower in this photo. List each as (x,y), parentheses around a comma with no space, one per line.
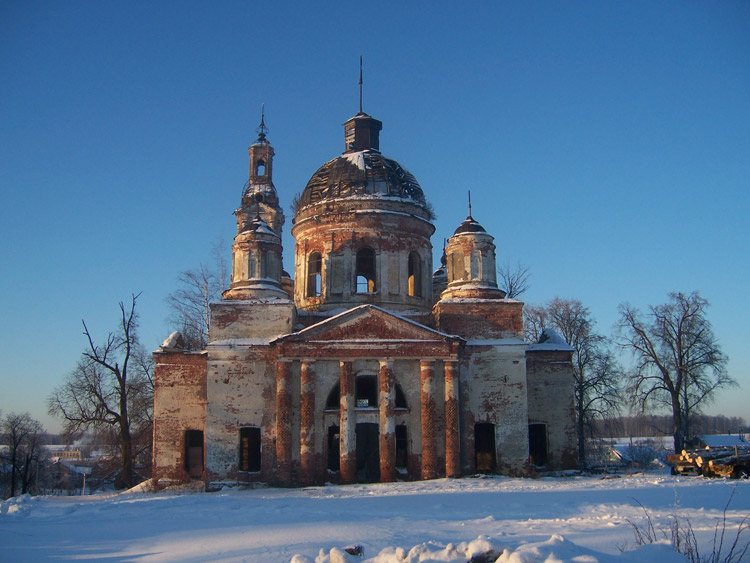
(259,194)
(256,252)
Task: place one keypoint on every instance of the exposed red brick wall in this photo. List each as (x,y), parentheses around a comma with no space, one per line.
(179,405)
(452,447)
(387,425)
(347,447)
(284,422)
(491,318)
(429,451)
(307,424)
(551,401)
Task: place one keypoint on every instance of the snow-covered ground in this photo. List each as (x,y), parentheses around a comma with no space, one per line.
(582,519)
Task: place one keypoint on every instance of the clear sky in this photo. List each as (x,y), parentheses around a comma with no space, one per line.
(606,146)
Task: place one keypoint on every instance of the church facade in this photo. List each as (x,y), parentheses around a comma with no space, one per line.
(365,366)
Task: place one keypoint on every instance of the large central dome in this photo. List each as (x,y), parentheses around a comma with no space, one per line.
(362,173)
(362,229)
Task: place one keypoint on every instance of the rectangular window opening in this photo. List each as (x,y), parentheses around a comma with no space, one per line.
(250,449)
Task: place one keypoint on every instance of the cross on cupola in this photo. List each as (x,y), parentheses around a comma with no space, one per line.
(261,154)
(262,129)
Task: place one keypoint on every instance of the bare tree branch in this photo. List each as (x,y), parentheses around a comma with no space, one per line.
(189,304)
(513,280)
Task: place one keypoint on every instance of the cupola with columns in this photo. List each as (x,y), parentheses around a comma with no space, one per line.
(472,305)
(470,262)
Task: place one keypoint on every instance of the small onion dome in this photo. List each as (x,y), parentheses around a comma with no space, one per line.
(469,226)
(362,173)
(440,274)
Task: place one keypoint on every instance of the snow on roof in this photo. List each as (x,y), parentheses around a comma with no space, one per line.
(472,299)
(173,341)
(365,306)
(358,159)
(496,342)
(719,440)
(260,226)
(266,300)
(243,342)
(552,341)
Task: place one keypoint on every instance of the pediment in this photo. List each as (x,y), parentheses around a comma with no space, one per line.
(368,323)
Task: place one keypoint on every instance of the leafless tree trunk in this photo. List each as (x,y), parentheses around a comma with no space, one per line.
(110,387)
(678,362)
(23,437)
(595,370)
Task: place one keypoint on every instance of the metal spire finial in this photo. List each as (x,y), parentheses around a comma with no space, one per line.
(360,84)
(262,129)
(470,205)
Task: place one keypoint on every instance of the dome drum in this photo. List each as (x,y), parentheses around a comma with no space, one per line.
(355,258)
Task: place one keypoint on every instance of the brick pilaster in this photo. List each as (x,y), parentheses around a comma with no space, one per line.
(429,451)
(347,425)
(452,458)
(307,423)
(284,422)
(387,421)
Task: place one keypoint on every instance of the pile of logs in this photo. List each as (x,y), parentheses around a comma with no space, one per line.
(731,462)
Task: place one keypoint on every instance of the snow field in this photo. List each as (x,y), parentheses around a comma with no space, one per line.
(582,519)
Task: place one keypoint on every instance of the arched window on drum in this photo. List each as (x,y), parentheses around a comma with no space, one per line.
(314,269)
(415,275)
(365,271)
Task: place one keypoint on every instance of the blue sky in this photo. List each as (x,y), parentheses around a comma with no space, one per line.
(606,146)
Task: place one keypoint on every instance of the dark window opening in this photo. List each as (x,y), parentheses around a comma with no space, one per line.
(402,447)
(538,444)
(333,448)
(260,168)
(415,275)
(333,402)
(314,267)
(365,271)
(250,449)
(194,453)
(484,447)
(334,398)
(400,398)
(366,394)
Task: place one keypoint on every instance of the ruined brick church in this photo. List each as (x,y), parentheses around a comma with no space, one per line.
(367,366)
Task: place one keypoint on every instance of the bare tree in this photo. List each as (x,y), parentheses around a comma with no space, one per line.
(23,436)
(111,387)
(190,313)
(678,362)
(514,280)
(595,369)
